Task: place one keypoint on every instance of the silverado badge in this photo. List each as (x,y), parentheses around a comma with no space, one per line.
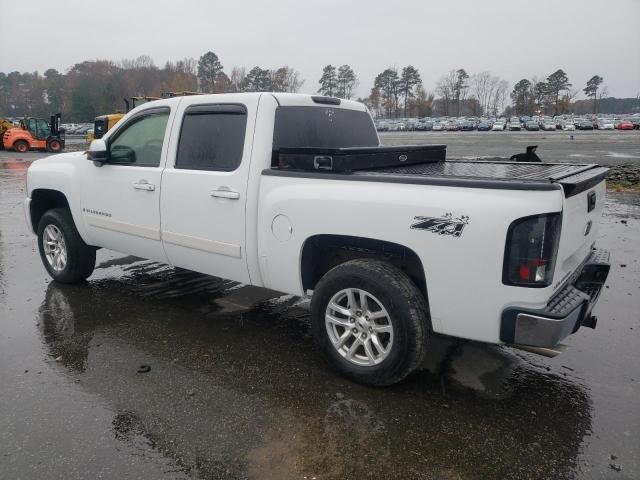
(444,225)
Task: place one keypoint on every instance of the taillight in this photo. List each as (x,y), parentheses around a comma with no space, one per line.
(531,250)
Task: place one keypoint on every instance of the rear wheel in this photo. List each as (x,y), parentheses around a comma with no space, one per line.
(54,145)
(371,321)
(64,254)
(21,146)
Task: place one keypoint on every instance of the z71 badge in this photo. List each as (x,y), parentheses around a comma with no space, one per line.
(444,225)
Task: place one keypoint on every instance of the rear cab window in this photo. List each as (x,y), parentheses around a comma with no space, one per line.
(323,127)
(212,137)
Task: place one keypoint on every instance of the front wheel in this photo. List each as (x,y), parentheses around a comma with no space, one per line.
(64,254)
(21,146)
(54,145)
(371,321)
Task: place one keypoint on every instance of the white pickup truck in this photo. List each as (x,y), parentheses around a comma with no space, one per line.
(257,188)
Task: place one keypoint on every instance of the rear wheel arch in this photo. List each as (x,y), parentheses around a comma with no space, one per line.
(43,200)
(321,253)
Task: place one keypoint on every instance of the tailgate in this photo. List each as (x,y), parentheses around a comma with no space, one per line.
(584,199)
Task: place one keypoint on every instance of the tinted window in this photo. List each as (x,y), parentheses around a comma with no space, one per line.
(323,127)
(212,139)
(140,142)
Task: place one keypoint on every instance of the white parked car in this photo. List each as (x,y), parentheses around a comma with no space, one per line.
(605,124)
(438,127)
(498,127)
(294,193)
(569,126)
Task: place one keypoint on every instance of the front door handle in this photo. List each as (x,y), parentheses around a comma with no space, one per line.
(225,193)
(144,185)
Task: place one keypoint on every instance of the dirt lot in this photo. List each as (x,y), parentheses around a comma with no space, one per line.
(237,389)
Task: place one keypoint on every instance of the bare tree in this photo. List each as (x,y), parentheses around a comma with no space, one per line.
(187,65)
(446,88)
(238,79)
(499,96)
(144,61)
(293,81)
(480,88)
(603,93)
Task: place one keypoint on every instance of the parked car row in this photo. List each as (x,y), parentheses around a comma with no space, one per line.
(529,123)
(77,128)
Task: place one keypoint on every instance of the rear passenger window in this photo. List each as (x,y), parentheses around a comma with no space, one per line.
(212,138)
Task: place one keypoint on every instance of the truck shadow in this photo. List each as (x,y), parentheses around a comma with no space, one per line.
(241,391)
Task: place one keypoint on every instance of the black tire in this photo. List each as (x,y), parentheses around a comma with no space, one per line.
(54,145)
(80,257)
(403,301)
(21,146)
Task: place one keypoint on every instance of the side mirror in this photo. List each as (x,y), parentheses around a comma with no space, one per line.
(98,151)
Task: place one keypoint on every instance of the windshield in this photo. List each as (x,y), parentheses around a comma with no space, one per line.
(323,127)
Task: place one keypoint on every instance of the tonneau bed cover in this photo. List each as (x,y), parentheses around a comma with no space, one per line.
(574,178)
(425,164)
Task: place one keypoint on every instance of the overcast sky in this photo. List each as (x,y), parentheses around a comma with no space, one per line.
(511,39)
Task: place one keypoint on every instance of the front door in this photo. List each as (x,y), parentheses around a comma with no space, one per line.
(121,199)
(204,188)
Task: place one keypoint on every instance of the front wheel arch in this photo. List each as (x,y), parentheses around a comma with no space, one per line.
(42,200)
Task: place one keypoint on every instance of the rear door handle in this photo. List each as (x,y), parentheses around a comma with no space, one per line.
(144,185)
(225,193)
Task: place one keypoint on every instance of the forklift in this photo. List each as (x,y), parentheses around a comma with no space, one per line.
(37,134)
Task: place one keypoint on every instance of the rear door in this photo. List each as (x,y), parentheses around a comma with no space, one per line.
(204,187)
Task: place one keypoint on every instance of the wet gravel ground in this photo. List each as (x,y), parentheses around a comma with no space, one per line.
(236,388)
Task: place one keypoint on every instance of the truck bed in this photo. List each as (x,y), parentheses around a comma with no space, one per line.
(573,178)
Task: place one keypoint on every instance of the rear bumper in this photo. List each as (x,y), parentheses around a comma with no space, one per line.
(568,310)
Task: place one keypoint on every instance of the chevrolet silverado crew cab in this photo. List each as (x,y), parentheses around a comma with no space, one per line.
(296,194)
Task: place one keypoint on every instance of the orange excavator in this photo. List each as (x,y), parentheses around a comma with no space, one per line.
(35,133)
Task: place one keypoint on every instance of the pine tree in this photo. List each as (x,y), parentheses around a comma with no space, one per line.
(258,80)
(388,83)
(591,90)
(346,82)
(409,80)
(328,81)
(211,76)
(557,82)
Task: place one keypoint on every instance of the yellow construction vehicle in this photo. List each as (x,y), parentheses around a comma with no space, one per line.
(4,126)
(184,93)
(103,123)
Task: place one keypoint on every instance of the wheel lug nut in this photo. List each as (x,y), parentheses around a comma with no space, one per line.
(359,313)
(355,330)
(351,319)
(364,335)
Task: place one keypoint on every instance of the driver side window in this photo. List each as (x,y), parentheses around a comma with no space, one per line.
(140,143)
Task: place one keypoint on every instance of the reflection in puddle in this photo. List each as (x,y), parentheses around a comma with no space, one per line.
(245,394)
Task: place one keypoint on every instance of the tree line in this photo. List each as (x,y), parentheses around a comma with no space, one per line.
(93,88)
(97,87)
